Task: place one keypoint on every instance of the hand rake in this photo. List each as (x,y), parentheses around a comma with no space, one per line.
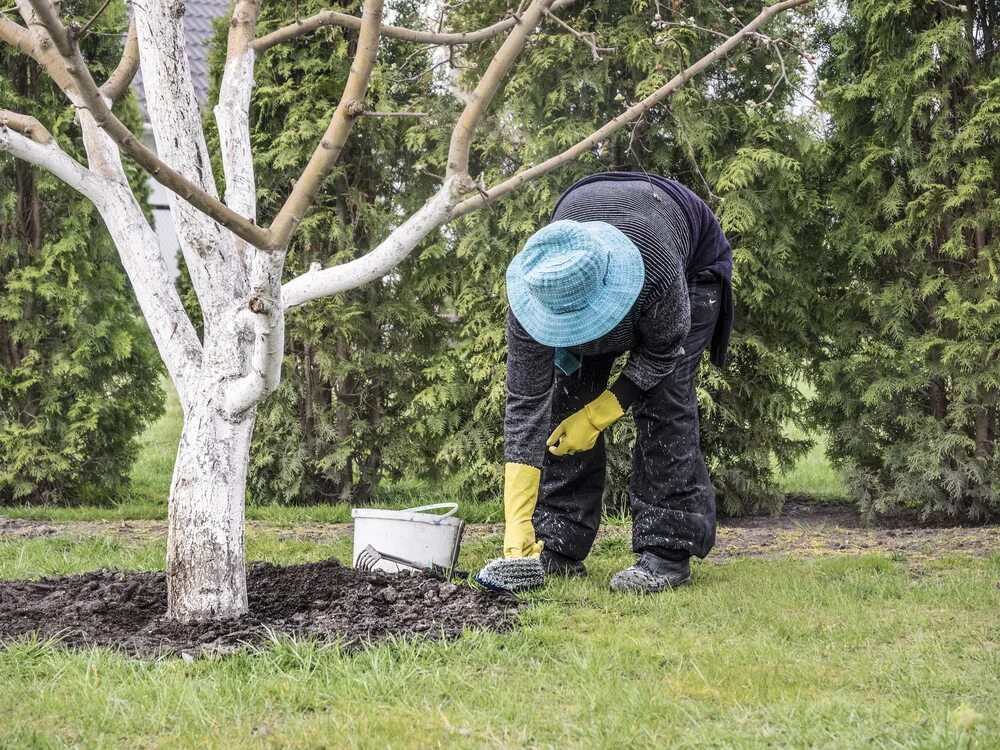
(369,558)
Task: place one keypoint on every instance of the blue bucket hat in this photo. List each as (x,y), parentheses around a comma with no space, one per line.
(574,281)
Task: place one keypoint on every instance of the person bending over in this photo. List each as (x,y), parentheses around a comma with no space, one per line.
(629,263)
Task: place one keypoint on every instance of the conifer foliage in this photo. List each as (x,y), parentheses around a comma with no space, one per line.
(78,374)
(910,377)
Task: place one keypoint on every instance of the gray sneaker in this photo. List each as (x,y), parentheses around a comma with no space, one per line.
(652,574)
(557,564)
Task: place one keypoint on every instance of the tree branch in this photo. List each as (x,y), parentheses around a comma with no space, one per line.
(233,118)
(25,125)
(346,21)
(139,250)
(91,98)
(26,42)
(374,265)
(93,19)
(265,317)
(332,144)
(106,186)
(589,39)
(123,74)
(405,113)
(48,155)
(496,71)
(630,115)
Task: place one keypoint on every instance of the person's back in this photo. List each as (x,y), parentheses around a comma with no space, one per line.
(675,231)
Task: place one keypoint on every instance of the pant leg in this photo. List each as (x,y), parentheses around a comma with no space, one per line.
(568,513)
(673,503)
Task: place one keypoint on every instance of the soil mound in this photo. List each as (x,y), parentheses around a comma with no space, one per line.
(324,600)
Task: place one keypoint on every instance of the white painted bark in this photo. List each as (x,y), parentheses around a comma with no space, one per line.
(377,263)
(209,250)
(206,573)
(264,318)
(53,159)
(206,565)
(232,115)
(139,250)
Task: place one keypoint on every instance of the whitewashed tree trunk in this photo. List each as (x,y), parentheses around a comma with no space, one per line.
(206,568)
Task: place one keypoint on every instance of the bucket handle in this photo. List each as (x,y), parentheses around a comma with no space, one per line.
(453,508)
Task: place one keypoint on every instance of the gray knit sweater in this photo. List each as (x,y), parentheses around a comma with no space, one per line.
(653,331)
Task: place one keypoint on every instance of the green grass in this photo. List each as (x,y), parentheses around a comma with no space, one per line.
(854,652)
(813,474)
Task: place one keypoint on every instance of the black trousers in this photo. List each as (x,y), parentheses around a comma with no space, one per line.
(671,495)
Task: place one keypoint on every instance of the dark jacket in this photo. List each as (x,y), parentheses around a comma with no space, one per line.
(679,239)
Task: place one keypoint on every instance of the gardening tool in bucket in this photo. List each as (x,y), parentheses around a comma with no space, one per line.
(411,539)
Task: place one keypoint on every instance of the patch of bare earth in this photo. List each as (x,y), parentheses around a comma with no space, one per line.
(810,529)
(323,600)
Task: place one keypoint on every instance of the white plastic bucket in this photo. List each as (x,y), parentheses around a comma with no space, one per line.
(423,538)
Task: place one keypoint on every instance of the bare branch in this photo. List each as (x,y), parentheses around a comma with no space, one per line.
(630,115)
(264,316)
(317,283)
(590,39)
(123,74)
(25,125)
(782,74)
(91,98)
(158,298)
(48,155)
(26,42)
(775,46)
(93,19)
(332,144)
(16,35)
(346,21)
(496,71)
(232,115)
(691,27)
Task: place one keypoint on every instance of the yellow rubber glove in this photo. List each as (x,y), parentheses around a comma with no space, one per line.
(579,431)
(520,494)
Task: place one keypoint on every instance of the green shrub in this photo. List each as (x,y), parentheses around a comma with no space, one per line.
(78,372)
(909,378)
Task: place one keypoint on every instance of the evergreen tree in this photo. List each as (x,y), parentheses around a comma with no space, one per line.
(732,136)
(909,380)
(340,422)
(78,374)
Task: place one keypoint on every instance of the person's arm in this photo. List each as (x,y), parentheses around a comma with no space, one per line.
(526,419)
(663,328)
(528,386)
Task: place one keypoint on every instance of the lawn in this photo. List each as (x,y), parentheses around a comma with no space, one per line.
(844,652)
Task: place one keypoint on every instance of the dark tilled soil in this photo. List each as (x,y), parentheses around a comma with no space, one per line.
(324,600)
